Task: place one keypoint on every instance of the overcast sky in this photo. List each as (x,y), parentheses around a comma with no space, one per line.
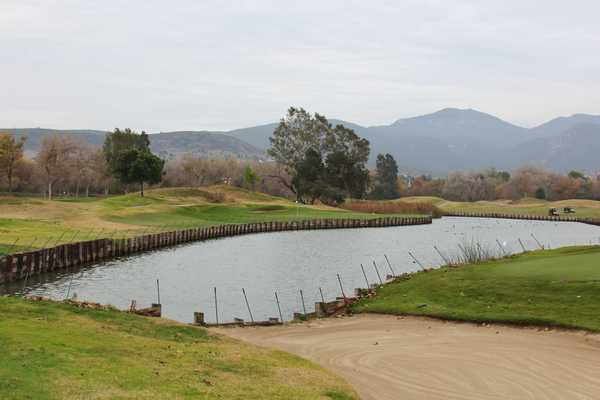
(170,65)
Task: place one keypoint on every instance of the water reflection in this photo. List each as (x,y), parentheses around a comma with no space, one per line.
(287,262)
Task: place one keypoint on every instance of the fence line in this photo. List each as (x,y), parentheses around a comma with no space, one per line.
(14,267)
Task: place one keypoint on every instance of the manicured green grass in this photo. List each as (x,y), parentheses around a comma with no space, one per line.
(35,222)
(583,208)
(216,214)
(56,351)
(23,234)
(554,287)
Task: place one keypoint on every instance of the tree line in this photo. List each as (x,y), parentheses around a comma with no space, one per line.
(312,161)
(68,166)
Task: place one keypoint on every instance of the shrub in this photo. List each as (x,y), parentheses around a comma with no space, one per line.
(392,207)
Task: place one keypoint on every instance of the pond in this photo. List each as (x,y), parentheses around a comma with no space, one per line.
(288,262)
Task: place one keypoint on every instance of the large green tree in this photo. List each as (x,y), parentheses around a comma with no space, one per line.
(129,158)
(121,141)
(139,166)
(301,137)
(386,178)
(11,152)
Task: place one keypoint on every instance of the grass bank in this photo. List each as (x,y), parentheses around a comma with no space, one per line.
(35,222)
(583,208)
(57,351)
(553,287)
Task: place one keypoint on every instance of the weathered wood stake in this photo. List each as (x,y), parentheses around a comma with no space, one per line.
(302,299)
(442,255)
(377,270)
(389,265)
(216,307)
(501,248)
(341,286)
(522,246)
(537,241)
(158,290)
(248,305)
(415,259)
(278,307)
(365,275)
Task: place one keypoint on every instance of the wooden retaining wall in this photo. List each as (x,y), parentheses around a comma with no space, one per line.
(18,266)
(589,221)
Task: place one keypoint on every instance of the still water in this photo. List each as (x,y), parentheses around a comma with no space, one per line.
(288,262)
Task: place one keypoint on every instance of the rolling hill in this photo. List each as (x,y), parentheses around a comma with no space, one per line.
(455,139)
(168,145)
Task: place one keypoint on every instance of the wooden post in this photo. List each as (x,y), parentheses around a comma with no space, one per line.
(278,307)
(303,305)
(199,318)
(389,265)
(216,307)
(377,270)
(341,286)
(415,259)
(158,291)
(365,275)
(248,305)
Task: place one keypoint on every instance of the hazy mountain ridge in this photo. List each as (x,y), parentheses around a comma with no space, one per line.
(577,148)
(447,140)
(455,139)
(167,144)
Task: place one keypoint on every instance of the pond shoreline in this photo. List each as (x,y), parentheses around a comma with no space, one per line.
(22,266)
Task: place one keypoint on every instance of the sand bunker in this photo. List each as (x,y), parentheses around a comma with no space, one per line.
(386,357)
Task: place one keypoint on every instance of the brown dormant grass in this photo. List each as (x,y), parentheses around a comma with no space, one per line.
(392,207)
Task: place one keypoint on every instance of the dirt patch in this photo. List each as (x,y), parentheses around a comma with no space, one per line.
(386,357)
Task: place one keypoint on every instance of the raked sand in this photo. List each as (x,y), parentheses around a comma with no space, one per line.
(387,357)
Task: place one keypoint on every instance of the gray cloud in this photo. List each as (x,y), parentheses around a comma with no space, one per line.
(159,65)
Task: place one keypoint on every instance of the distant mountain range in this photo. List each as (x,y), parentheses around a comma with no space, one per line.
(447,140)
(168,145)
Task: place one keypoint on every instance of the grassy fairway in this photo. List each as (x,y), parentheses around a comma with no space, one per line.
(36,222)
(553,287)
(56,351)
(584,208)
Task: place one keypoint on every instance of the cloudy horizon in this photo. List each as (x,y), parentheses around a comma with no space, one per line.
(210,66)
